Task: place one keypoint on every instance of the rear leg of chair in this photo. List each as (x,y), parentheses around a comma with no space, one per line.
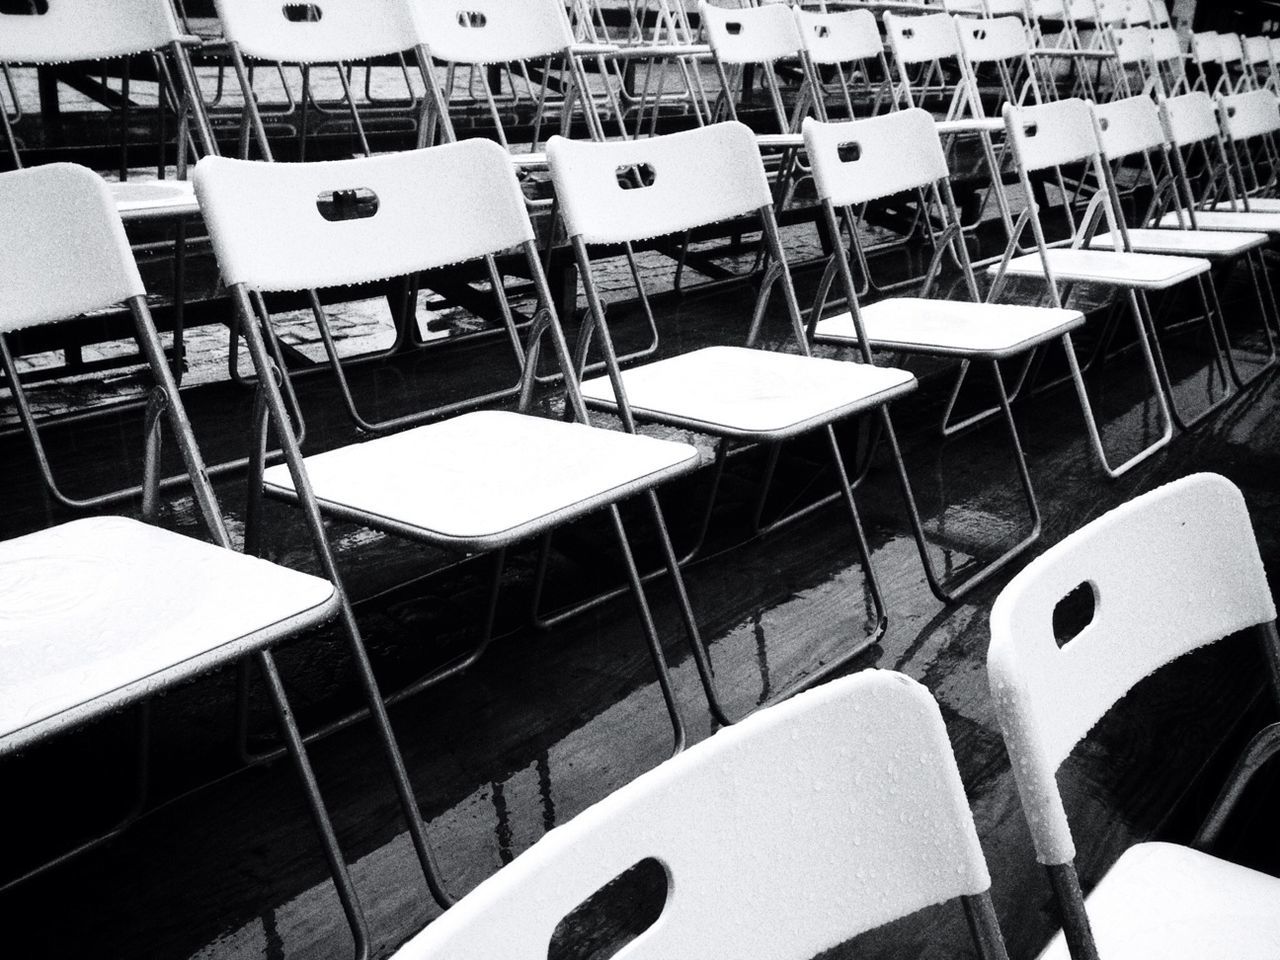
(950,429)
(951,592)
(1090,419)
(319,814)
(984,926)
(1072,914)
(1264,294)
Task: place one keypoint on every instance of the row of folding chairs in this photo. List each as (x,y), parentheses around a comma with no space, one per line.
(486,481)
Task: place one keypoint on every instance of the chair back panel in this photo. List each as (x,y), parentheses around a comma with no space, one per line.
(1052,134)
(783,836)
(1129,126)
(751,34)
(300,226)
(1166,45)
(319,31)
(1205,47)
(77,30)
(922,39)
(493,31)
(63,249)
(1257,50)
(832,38)
(1230,49)
(1252,114)
(694,178)
(861,160)
(1191,118)
(1171,571)
(1132,45)
(994,40)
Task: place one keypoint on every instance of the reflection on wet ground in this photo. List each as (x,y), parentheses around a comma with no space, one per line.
(550,721)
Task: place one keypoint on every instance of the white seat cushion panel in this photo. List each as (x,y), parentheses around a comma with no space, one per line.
(485,478)
(1189,243)
(154,198)
(98,612)
(740,392)
(1257,204)
(953,327)
(1238,220)
(1166,902)
(1147,271)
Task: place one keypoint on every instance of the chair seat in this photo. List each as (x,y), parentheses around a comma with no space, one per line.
(1161,901)
(751,394)
(1146,271)
(154,199)
(1259,204)
(100,612)
(487,478)
(1260,221)
(1211,244)
(952,327)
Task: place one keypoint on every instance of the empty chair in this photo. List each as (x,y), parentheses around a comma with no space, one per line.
(98,614)
(774,841)
(612,193)
(900,152)
(847,48)
(1171,571)
(1047,138)
(752,36)
(478,482)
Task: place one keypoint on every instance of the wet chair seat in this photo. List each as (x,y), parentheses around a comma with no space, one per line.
(1162,901)
(486,478)
(1257,219)
(941,327)
(744,392)
(1139,271)
(100,612)
(154,198)
(1211,244)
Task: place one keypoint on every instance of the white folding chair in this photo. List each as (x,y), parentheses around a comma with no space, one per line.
(1050,137)
(866,160)
(774,842)
(478,482)
(1170,572)
(100,614)
(844,46)
(612,193)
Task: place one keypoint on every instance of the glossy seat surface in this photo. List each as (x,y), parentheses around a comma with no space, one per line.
(140,200)
(952,327)
(485,478)
(1189,243)
(99,612)
(741,392)
(1258,220)
(1146,271)
(1162,901)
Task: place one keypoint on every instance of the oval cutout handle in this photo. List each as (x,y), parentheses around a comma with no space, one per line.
(355,203)
(636,176)
(733,28)
(302,12)
(472,19)
(1073,614)
(850,152)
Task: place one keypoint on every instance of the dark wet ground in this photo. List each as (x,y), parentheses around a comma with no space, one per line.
(226,863)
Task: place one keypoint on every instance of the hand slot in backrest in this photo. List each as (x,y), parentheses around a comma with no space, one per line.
(1075,612)
(733,28)
(636,176)
(821,30)
(356,203)
(24,8)
(908,33)
(302,12)
(472,19)
(850,152)
(979,33)
(616,914)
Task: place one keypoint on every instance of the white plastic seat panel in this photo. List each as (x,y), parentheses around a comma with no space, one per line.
(1148,271)
(1161,901)
(1256,204)
(746,393)
(141,200)
(100,612)
(952,327)
(486,478)
(1189,243)
(1237,220)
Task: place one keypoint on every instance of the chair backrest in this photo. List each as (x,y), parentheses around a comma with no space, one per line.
(991,40)
(806,824)
(922,39)
(1251,114)
(492,31)
(63,249)
(694,178)
(1171,571)
(325,31)
(1190,118)
(1051,134)
(1205,47)
(1230,49)
(831,38)
(77,30)
(301,226)
(1138,13)
(751,34)
(1132,44)
(1166,45)
(860,160)
(1129,126)
(1257,50)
